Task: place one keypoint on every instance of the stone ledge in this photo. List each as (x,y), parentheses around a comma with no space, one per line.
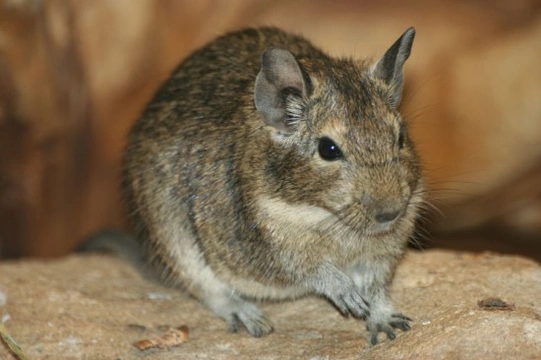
(95,307)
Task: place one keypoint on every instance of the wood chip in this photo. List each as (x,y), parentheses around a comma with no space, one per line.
(173,337)
(495,304)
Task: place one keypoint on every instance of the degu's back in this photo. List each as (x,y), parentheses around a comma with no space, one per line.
(196,113)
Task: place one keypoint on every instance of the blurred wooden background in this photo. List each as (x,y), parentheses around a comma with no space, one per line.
(75,74)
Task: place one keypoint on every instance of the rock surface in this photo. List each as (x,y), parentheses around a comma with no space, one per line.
(96,307)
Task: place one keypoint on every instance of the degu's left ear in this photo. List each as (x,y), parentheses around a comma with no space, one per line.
(389,68)
(279,73)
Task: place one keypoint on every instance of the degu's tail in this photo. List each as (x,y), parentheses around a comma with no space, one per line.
(117,243)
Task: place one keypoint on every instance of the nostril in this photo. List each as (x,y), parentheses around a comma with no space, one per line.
(387,216)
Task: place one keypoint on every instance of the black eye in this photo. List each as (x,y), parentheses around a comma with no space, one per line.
(401,138)
(328,150)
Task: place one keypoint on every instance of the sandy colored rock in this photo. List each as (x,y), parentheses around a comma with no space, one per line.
(96,307)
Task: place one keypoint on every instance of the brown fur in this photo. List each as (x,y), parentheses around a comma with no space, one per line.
(232,206)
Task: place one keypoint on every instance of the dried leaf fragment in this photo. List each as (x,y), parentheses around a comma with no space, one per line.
(495,304)
(11,343)
(173,337)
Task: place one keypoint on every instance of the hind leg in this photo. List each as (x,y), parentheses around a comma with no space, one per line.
(238,312)
(186,267)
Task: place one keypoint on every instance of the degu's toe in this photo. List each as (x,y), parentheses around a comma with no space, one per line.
(401,316)
(402,325)
(232,324)
(258,327)
(390,334)
(394,321)
(256,324)
(376,329)
(400,321)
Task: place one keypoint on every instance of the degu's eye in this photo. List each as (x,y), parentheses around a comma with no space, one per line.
(328,150)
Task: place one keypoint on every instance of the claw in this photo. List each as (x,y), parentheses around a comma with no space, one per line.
(239,313)
(390,335)
(387,326)
(402,325)
(374,339)
(342,307)
(233,324)
(401,316)
(350,304)
(257,332)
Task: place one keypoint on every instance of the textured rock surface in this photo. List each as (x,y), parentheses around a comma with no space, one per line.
(96,307)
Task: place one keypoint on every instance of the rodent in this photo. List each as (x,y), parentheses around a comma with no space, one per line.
(265,169)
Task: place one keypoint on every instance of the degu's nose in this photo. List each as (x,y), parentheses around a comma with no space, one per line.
(384,210)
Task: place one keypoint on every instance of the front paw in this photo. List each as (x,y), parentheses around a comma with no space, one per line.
(340,290)
(351,303)
(386,323)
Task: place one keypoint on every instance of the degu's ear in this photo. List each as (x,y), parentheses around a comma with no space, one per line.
(279,76)
(389,68)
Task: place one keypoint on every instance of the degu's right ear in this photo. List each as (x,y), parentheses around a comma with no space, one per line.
(389,68)
(280,73)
